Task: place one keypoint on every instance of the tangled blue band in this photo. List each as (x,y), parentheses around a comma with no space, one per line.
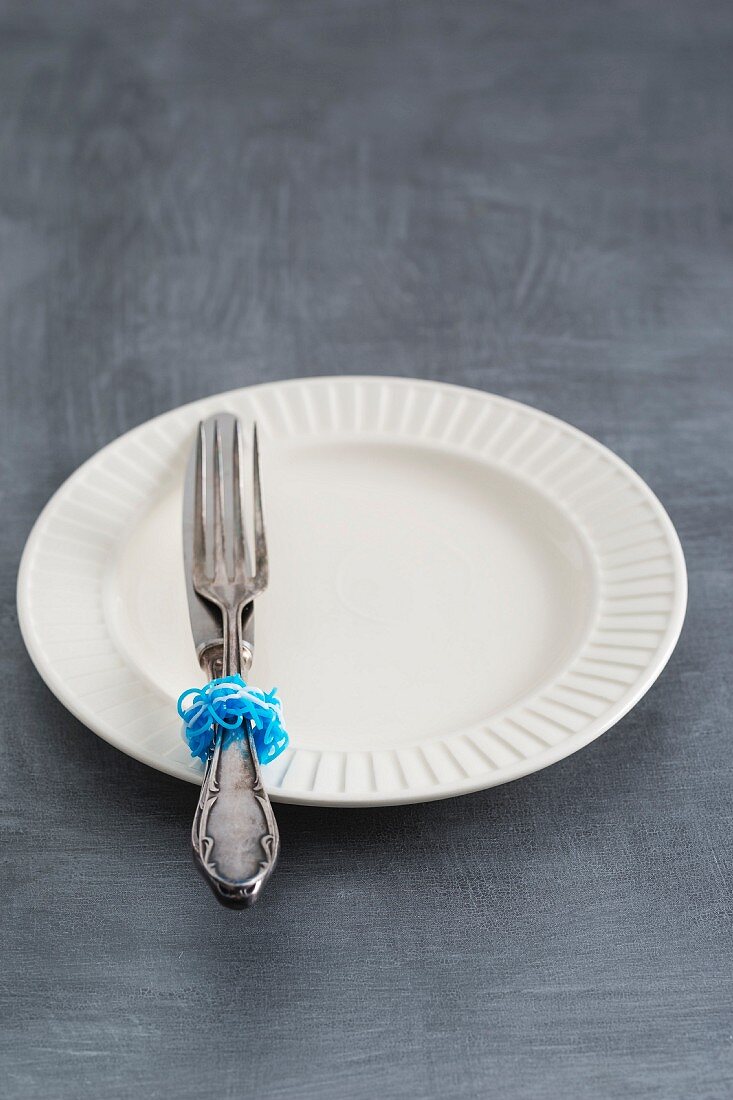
(235,706)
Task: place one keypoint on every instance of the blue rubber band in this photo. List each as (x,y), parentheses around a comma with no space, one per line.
(238,708)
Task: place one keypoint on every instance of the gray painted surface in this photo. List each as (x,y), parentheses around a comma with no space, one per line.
(531,198)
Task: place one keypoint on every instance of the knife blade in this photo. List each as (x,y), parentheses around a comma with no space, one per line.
(205,618)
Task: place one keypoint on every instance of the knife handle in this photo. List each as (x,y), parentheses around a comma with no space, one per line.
(235,837)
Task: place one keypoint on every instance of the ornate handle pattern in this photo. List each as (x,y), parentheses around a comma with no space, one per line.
(234,837)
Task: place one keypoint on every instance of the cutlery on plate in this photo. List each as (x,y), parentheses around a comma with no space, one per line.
(234,836)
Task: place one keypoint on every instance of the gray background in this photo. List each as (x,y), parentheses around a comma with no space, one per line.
(530,198)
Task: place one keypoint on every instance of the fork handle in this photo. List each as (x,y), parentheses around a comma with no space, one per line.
(235,836)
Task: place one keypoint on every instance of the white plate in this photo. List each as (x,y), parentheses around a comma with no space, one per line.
(463,589)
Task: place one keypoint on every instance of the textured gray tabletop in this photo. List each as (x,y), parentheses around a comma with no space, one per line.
(530,198)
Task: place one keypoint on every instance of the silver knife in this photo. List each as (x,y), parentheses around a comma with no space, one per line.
(206,624)
(234,837)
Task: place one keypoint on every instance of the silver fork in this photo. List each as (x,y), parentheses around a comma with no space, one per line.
(235,836)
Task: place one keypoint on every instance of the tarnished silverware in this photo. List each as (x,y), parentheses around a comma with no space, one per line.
(234,837)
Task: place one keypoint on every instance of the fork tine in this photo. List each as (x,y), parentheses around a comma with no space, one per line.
(199,520)
(239,544)
(220,567)
(261,566)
